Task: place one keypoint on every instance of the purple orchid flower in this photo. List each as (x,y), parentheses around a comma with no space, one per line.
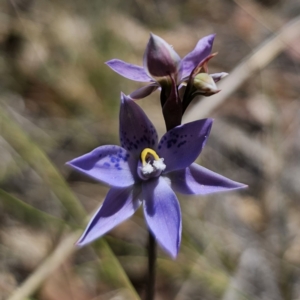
(162,62)
(145,171)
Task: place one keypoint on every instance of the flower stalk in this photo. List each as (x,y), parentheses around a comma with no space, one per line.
(150,290)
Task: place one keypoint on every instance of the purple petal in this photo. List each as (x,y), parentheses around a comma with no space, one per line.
(201,181)
(202,50)
(144,91)
(160,59)
(110,164)
(218,76)
(129,71)
(162,213)
(119,205)
(181,146)
(136,130)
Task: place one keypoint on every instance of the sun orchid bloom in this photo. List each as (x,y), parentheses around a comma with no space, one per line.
(145,171)
(160,62)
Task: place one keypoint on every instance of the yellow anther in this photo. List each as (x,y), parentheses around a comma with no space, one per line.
(146,152)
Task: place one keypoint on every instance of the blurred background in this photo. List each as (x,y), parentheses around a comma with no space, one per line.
(58,100)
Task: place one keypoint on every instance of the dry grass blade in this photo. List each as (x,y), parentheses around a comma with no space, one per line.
(256,152)
(261,57)
(63,250)
(261,14)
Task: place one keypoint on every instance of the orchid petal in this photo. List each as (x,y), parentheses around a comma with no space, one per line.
(129,71)
(162,213)
(200,52)
(218,76)
(201,181)
(181,146)
(136,130)
(119,205)
(144,91)
(160,59)
(110,164)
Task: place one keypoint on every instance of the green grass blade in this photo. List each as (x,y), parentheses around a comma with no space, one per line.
(27,213)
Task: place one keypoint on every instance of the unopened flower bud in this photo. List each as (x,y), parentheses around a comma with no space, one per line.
(205,84)
(160,59)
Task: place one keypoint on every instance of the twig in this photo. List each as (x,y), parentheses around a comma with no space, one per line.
(262,56)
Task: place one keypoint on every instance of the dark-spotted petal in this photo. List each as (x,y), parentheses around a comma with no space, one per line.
(201,181)
(201,51)
(119,205)
(110,164)
(136,130)
(129,71)
(181,146)
(144,91)
(162,213)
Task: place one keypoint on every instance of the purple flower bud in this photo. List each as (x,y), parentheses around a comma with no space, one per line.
(160,59)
